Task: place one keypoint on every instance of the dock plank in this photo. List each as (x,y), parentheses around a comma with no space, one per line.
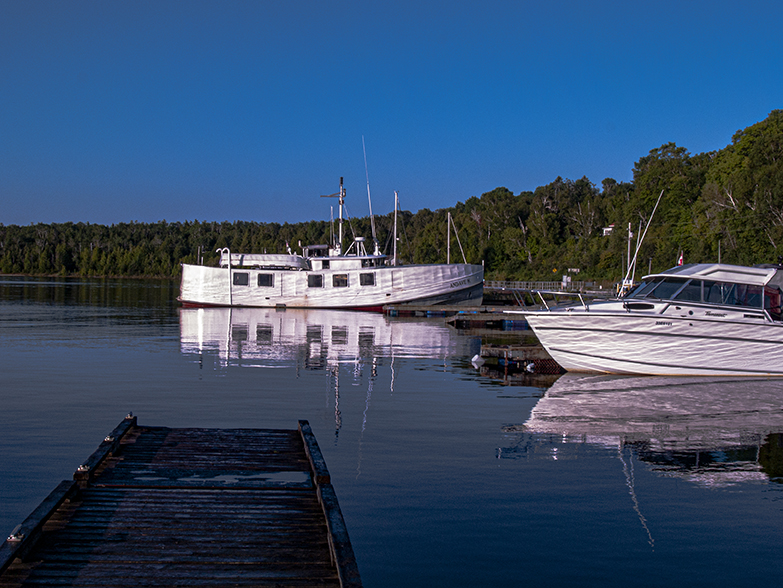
(155,506)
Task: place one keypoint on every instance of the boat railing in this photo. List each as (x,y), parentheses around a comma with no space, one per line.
(536,290)
(556,293)
(533,286)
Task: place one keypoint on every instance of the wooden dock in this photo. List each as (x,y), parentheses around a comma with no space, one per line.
(155,506)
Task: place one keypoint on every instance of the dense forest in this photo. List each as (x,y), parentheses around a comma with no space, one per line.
(725,204)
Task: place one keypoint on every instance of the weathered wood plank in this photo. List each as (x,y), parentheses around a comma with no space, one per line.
(195,507)
(110,445)
(338,538)
(339,543)
(317,461)
(206,478)
(165,574)
(24,538)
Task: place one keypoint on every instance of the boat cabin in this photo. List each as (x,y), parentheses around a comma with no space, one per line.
(758,287)
(322,257)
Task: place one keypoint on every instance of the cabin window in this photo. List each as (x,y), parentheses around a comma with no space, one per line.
(366,279)
(691,292)
(718,293)
(315,281)
(266,280)
(667,288)
(340,280)
(733,294)
(325,264)
(241,278)
(748,295)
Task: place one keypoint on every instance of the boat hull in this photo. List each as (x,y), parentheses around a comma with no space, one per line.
(630,343)
(458,284)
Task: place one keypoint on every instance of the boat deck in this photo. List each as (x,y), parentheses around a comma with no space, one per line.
(155,506)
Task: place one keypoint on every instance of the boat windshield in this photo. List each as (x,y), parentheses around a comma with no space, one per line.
(644,288)
(691,292)
(661,288)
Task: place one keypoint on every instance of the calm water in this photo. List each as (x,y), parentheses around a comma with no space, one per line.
(445,476)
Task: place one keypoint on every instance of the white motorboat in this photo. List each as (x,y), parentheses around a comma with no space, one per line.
(696,319)
(324,276)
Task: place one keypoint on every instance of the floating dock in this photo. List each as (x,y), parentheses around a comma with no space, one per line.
(529,358)
(490,320)
(440,310)
(155,506)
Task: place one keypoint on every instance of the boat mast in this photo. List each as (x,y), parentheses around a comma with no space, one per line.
(341,201)
(331,225)
(394,256)
(448,238)
(337,248)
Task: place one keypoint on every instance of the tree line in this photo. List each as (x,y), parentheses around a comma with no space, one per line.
(725,204)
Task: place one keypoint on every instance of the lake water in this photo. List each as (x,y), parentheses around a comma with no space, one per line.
(445,476)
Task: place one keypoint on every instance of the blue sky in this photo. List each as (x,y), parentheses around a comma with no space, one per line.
(117,111)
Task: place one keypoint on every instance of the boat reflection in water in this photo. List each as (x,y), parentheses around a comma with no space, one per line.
(315,339)
(711,431)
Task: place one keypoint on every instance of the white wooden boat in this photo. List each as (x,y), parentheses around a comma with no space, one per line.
(324,276)
(696,319)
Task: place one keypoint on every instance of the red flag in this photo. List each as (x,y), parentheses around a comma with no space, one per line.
(679,260)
